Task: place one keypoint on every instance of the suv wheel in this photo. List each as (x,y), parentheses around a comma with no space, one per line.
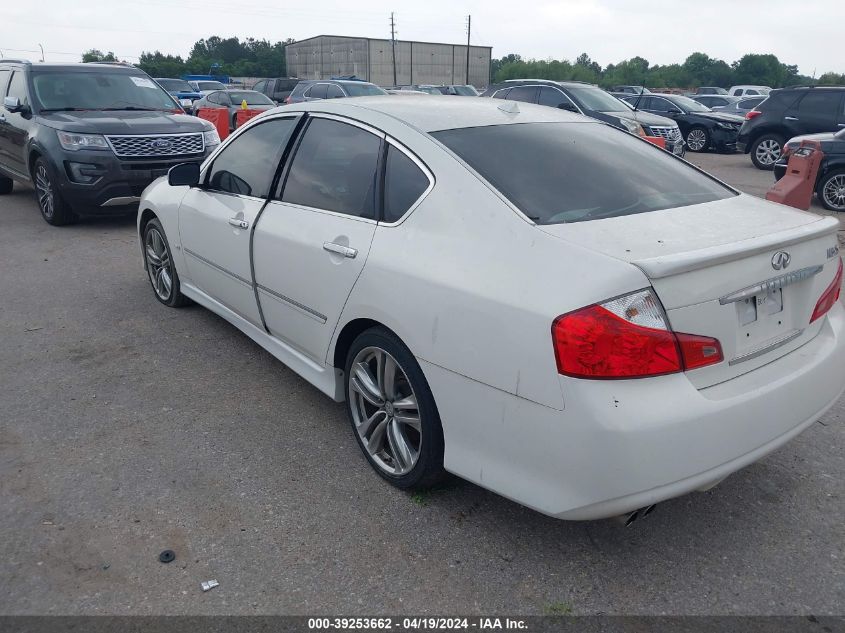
(53,207)
(766,150)
(831,190)
(698,140)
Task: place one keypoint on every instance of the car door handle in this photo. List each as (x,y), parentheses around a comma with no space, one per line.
(237,222)
(791,118)
(346,251)
(841,124)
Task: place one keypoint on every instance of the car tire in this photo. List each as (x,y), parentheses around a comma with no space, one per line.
(54,209)
(399,433)
(831,190)
(766,150)
(158,261)
(6,185)
(698,139)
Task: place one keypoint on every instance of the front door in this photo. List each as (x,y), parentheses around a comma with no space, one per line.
(311,241)
(216,219)
(14,126)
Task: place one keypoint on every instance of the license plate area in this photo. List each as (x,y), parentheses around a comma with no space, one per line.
(764,318)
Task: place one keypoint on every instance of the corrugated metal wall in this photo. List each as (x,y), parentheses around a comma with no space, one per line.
(416,62)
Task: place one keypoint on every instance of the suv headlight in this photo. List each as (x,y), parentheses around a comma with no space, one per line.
(73,142)
(726,126)
(211,138)
(633,127)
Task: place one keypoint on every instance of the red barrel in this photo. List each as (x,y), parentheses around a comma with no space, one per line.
(219,117)
(797,185)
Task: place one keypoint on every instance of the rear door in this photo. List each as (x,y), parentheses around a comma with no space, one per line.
(313,238)
(816,111)
(215,219)
(14,126)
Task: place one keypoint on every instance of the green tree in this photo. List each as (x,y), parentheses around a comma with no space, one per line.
(96,55)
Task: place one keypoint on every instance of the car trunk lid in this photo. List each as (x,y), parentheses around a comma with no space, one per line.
(719,270)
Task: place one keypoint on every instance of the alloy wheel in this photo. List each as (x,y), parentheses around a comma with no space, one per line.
(767,152)
(697,140)
(159,265)
(44,189)
(385,411)
(834,192)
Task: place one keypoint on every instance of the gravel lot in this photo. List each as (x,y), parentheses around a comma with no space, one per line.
(127,428)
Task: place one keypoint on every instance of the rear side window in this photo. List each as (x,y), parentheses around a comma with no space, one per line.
(334,92)
(4,80)
(747,104)
(820,103)
(501,94)
(574,172)
(247,165)
(260,86)
(335,169)
(523,93)
(317,91)
(404,183)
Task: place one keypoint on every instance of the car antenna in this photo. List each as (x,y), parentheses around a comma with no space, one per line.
(639,96)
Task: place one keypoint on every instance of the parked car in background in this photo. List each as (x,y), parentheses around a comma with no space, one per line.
(232,100)
(590,101)
(332,89)
(204,86)
(787,113)
(701,128)
(630,90)
(743,105)
(710,90)
(182,91)
(277,89)
(830,182)
(406,93)
(90,137)
(458,90)
(715,102)
(603,275)
(749,91)
(428,89)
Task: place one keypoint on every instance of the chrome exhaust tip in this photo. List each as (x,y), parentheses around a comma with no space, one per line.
(630,517)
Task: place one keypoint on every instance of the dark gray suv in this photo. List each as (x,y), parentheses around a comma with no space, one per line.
(91,137)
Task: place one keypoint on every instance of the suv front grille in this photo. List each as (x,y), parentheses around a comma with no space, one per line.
(157,146)
(669,133)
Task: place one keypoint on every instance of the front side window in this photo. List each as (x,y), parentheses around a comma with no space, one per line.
(574,172)
(590,98)
(335,169)
(657,104)
(247,165)
(4,79)
(404,183)
(101,90)
(260,85)
(552,97)
(334,92)
(17,87)
(317,91)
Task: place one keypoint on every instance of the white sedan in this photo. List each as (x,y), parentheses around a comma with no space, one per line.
(537,302)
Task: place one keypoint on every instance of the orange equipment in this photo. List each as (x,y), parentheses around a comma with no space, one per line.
(219,117)
(798,183)
(657,140)
(243,116)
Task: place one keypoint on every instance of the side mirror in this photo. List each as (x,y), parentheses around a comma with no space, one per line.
(184,174)
(13,104)
(674,111)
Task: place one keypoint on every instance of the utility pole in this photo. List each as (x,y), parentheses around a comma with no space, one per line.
(393,44)
(469,28)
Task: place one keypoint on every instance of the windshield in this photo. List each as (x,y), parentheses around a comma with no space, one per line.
(557,173)
(175,85)
(250,96)
(590,98)
(689,104)
(466,91)
(68,90)
(363,90)
(210,85)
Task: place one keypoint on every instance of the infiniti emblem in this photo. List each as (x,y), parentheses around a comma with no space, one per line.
(780,260)
(160,144)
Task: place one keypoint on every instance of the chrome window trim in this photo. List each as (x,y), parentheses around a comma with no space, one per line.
(337,214)
(425,170)
(781,281)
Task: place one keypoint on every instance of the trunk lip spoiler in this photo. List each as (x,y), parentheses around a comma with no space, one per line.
(688,261)
(773,283)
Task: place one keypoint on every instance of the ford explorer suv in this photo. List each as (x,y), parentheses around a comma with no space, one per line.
(91,137)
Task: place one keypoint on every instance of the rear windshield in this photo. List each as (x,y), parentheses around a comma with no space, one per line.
(175,85)
(210,85)
(68,90)
(250,96)
(363,90)
(466,91)
(572,172)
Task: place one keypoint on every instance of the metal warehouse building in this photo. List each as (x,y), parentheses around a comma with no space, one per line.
(326,56)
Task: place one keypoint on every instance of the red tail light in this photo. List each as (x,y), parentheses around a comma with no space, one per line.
(751,114)
(627,337)
(830,296)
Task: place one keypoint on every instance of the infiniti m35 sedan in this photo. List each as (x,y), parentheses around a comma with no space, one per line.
(529,299)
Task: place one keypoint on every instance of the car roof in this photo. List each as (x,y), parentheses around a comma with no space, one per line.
(417,112)
(85,67)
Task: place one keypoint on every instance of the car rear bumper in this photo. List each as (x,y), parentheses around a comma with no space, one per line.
(622,445)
